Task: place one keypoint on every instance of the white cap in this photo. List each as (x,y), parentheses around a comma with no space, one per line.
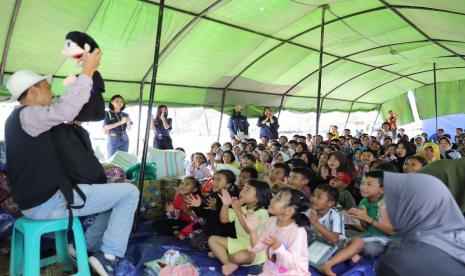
(22,80)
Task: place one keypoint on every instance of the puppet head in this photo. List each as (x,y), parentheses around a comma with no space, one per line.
(78,43)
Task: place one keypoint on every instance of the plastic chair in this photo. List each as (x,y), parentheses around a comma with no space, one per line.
(25,247)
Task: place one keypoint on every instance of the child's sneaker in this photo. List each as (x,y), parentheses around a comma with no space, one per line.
(102,265)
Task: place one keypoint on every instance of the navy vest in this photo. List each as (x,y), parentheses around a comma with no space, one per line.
(33,168)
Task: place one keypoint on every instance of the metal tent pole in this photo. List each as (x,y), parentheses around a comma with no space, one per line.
(223,97)
(320,72)
(348,115)
(377,115)
(8,39)
(280,107)
(151,100)
(141,94)
(435,96)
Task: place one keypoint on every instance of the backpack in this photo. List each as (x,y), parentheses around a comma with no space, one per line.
(74,150)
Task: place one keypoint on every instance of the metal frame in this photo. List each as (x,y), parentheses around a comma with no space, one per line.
(376,119)
(280,107)
(141,95)
(223,98)
(151,102)
(8,39)
(301,45)
(412,74)
(435,96)
(348,115)
(182,31)
(320,69)
(394,9)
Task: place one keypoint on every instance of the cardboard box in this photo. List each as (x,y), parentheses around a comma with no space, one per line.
(155,194)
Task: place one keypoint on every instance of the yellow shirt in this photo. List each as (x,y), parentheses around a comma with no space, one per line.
(242,242)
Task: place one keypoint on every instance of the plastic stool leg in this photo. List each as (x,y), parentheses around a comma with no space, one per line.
(61,245)
(31,254)
(17,250)
(81,251)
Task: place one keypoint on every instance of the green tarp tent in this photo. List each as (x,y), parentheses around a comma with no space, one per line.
(260,52)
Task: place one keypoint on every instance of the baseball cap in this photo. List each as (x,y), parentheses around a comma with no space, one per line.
(22,80)
(344,177)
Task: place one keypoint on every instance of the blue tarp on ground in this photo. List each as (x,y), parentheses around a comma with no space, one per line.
(145,246)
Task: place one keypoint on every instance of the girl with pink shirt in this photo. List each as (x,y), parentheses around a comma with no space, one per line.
(284,239)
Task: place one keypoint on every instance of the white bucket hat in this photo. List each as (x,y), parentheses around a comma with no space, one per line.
(22,80)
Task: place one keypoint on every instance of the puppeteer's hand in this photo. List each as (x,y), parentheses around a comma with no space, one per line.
(91,62)
(69,80)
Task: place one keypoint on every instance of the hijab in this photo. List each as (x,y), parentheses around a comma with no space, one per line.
(418,147)
(422,209)
(435,147)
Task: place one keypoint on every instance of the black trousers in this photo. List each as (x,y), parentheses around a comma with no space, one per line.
(163,143)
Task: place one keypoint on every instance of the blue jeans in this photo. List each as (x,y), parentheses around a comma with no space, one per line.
(116,142)
(115,205)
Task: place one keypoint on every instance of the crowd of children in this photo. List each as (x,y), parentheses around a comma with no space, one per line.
(286,204)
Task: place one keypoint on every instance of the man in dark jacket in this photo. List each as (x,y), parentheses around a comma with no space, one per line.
(238,124)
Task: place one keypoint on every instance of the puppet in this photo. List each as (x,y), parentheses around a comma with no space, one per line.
(76,45)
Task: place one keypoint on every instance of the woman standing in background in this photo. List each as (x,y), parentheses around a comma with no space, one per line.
(162,125)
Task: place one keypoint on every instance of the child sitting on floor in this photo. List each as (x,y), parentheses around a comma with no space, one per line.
(209,208)
(414,163)
(245,175)
(181,220)
(327,224)
(374,220)
(278,177)
(301,178)
(285,238)
(340,182)
(254,197)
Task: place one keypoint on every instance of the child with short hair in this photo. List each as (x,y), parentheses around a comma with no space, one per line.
(245,175)
(340,182)
(327,224)
(414,163)
(181,219)
(209,209)
(374,221)
(254,198)
(284,239)
(301,178)
(278,177)
(248,161)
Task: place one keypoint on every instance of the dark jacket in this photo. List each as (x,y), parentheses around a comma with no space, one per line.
(270,130)
(238,123)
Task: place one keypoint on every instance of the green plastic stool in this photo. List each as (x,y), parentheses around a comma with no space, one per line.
(25,247)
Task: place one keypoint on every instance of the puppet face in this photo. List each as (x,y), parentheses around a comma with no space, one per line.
(72,50)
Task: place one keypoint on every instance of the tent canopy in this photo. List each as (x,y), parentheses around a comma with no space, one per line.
(261,52)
